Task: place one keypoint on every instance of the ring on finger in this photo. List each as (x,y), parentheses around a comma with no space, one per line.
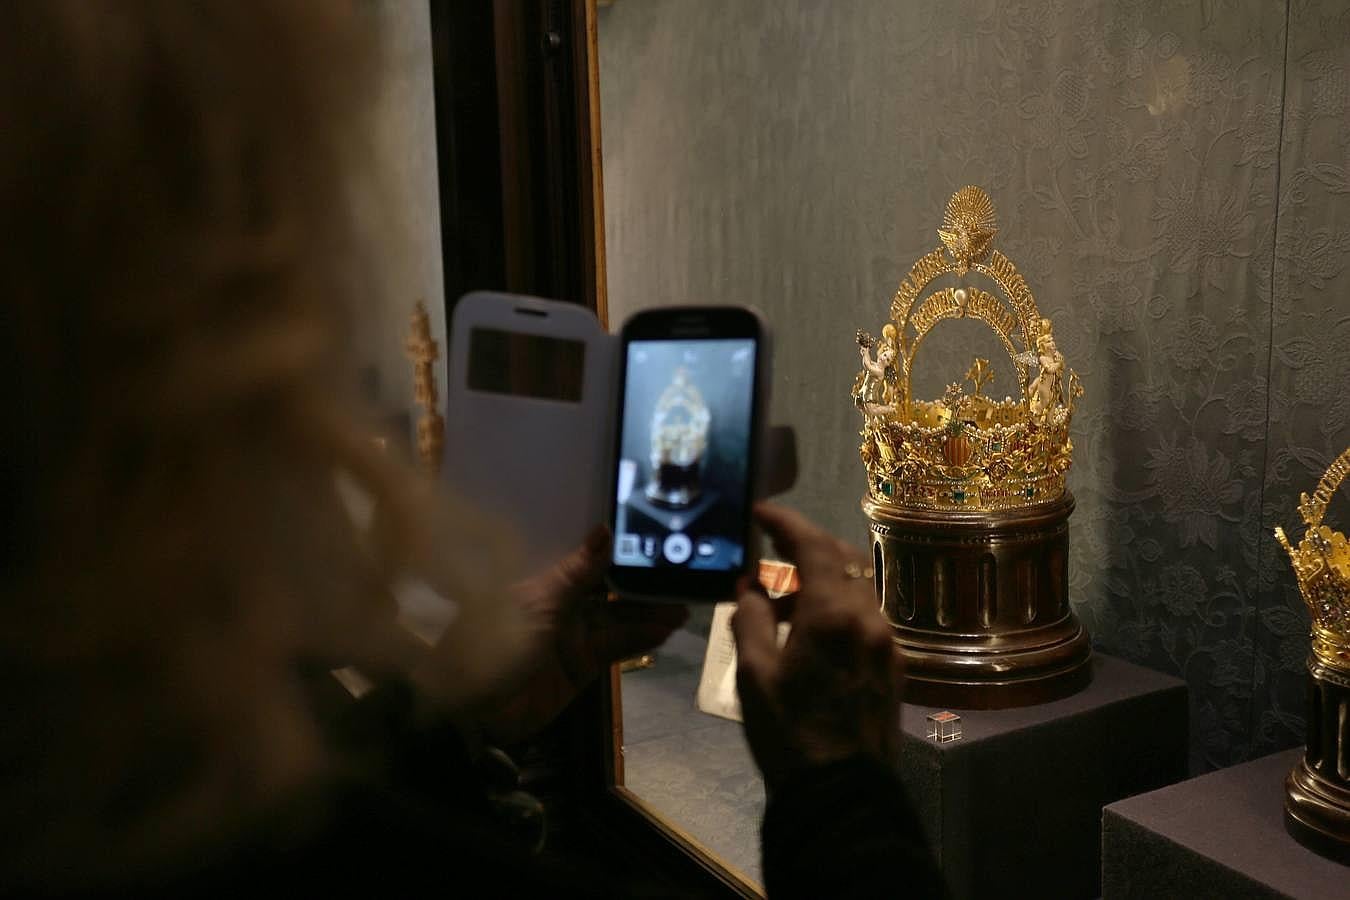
(857,570)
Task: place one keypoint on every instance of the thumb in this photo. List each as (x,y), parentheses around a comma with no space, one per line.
(582,571)
(755,628)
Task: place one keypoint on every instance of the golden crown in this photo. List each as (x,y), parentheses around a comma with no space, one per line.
(679,424)
(966,451)
(1322,566)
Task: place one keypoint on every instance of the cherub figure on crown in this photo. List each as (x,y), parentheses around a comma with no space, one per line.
(878,389)
(1047,389)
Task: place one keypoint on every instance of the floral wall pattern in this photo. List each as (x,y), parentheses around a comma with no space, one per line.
(1173,178)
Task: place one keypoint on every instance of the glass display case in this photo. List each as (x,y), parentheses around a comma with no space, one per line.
(1171,180)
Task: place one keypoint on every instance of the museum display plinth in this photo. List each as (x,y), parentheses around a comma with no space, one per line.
(980,603)
(1219,835)
(1317,791)
(1016,801)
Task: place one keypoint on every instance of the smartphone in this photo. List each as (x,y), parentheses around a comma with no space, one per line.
(693,393)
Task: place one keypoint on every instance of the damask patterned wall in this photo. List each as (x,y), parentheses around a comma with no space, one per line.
(1172,178)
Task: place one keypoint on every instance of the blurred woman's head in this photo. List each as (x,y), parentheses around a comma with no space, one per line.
(179,270)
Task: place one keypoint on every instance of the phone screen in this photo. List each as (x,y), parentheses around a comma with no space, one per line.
(683,472)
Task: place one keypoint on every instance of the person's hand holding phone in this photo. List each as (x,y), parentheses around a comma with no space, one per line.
(832,692)
(576,634)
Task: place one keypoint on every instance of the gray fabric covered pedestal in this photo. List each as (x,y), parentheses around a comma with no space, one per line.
(1219,835)
(1012,809)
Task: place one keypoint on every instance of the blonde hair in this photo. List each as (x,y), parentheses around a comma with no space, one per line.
(181,274)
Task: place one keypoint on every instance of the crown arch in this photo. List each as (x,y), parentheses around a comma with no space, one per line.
(1314,508)
(960,303)
(967,230)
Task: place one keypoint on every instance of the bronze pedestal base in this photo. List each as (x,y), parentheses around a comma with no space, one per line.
(979,603)
(1317,791)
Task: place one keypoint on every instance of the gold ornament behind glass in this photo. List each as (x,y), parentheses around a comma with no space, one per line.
(1317,792)
(966,493)
(966,450)
(423,352)
(679,438)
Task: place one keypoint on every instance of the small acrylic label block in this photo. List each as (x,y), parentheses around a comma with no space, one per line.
(944,726)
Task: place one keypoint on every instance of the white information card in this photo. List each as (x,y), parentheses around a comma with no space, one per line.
(717,685)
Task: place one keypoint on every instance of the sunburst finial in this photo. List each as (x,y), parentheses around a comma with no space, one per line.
(969,226)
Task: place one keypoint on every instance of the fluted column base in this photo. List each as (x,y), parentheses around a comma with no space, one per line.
(1317,791)
(979,603)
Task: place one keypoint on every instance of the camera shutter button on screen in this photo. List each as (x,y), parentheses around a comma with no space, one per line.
(678,548)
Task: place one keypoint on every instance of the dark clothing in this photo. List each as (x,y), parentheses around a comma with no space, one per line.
(842,831)
(429,823)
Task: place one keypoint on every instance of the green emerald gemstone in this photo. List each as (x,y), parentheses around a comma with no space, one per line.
(1031,492)
(959,496)
(886,488)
